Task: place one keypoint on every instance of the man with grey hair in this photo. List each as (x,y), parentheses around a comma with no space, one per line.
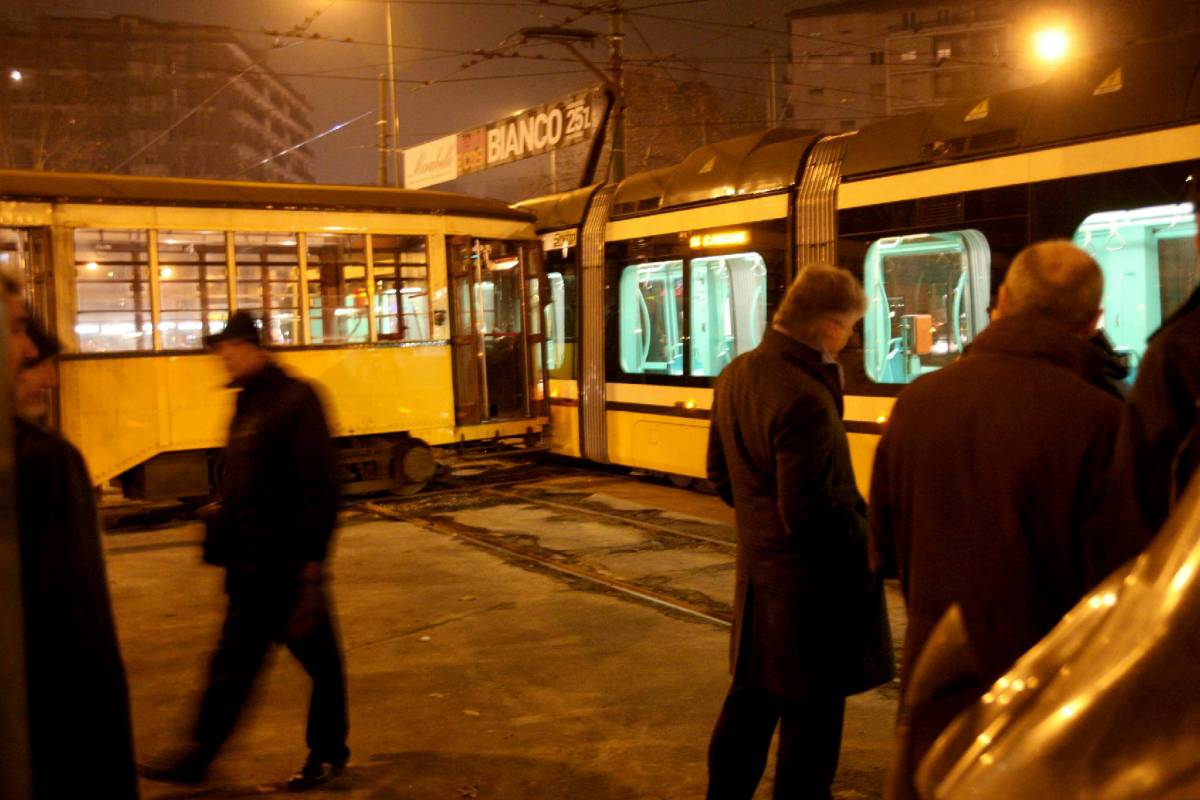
(809,626)
(991,487)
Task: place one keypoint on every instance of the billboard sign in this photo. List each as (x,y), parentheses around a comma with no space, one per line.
(527,133)
(431,162)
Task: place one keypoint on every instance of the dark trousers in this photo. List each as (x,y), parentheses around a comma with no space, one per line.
(810,736)
(249,631)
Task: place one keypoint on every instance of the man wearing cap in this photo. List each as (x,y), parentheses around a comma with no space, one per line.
(270,531)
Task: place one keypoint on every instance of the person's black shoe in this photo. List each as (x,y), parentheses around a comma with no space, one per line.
(187,767)
(317,770)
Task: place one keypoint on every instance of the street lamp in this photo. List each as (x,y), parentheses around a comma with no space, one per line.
(16,76)
(1052,44)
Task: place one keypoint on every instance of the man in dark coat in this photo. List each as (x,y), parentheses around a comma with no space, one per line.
(1161,434)
(80,732)
(992,486)
(809,624)
(277,513)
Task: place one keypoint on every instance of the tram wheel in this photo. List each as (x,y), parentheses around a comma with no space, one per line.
(681,481)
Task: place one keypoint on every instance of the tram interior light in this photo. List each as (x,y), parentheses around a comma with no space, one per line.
(1052,44)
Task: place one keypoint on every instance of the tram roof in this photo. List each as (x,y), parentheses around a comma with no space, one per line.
(71,187)
(1139,88)
(765,161)
(562,210)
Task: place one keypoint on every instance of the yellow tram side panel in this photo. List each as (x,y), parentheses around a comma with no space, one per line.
(123,411)
(656,441)
(564,418)
(679,444)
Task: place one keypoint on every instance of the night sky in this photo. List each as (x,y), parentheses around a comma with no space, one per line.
(339,79)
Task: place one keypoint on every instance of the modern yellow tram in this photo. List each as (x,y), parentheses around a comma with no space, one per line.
(657,282)
(418,314)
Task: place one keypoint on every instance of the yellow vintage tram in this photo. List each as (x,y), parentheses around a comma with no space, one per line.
(418,313)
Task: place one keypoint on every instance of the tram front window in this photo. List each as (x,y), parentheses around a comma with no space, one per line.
(728,309)
(1148,257)
(651,317)
(927,298)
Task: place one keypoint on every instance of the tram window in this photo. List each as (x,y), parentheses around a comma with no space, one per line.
(401,266)
(337,288)
(927,297)
(193,288)
(651,318)
(556,324)
(1148,257)
(112,290)
(728,309)
(268,273)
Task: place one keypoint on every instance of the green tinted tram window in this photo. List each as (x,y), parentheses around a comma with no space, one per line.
(1148,256)
(555,312)
(651,318)
(728,309)
(927,297)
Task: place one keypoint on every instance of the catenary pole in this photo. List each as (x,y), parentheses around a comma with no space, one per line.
(397,176)
(381,125)
(616,43)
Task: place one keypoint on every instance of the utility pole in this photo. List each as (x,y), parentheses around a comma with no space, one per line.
(613,80)
(391,54)
(381,126)
(772,109)
(616,50)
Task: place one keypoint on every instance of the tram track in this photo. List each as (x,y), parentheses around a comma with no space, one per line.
(435,523)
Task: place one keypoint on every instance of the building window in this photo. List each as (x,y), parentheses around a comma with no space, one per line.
(337,288)
(908,55)
(817,91)
(876,56)
(401,267)
(112,290)
(193,287)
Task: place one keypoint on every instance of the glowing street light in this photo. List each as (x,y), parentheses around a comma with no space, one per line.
(15,75)
(1051,44)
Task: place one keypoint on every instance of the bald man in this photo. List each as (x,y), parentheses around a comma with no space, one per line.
(991,482)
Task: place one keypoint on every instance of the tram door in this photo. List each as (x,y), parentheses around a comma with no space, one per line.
(495,329)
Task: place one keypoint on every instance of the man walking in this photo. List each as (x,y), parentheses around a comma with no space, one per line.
(991,486)
(809,624)
(277,512)
(79,725)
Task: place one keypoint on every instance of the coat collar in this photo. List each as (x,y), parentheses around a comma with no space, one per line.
(811,360)
(266,377)
(1041,339)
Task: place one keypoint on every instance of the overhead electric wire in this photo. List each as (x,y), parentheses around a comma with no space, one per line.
(331,130)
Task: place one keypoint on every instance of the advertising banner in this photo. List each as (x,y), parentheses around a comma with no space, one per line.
(527,133)
(431,162)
